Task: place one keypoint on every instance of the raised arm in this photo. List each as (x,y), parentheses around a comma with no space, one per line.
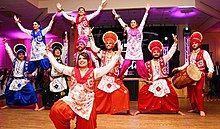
(8,49)
(59,67)
(48,28)
(91,16)
(92,42)
(172,50)
(118,17)
(17,20)
(145,16)
(65,49)
(99,72)
(60,9)
(95,60)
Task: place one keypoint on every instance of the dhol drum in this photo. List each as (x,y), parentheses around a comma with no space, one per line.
(186,77)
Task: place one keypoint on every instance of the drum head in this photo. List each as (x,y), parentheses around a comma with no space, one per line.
(193,72)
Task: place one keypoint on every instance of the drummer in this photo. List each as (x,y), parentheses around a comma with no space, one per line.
(158,95)
(201,59)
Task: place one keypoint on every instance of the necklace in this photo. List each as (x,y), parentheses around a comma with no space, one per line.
(109,55)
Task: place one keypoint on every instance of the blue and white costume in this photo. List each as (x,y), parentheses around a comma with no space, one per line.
(57,87)
(37,47)
(19,90)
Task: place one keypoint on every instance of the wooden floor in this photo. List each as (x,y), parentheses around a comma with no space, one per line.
(26,118)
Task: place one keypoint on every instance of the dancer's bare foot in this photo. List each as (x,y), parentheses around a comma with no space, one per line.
(136,113)
(4,107)
(202,113)
(191,111)
(42,108)
(181,113)
(36,107)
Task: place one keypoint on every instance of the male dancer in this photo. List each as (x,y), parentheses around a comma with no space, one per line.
(201,59)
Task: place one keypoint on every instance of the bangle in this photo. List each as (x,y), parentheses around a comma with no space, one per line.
(60,10)
(117,17)
(17,21)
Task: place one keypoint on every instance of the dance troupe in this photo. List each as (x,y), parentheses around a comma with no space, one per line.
(97,87)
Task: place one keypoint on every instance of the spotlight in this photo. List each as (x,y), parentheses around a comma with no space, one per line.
(187,31)
(166,38)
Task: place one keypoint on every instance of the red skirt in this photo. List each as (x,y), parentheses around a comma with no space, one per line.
(148,102)
(111,103)
(61,114)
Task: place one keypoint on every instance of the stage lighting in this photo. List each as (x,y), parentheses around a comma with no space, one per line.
(187,31)
(166,38)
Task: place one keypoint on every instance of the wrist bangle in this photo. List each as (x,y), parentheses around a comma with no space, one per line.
(60,10)
(17,21)
(117,17)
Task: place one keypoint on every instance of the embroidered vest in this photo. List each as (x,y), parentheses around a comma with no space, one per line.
(200,62)
(163,70)
(25,70)
(104,62)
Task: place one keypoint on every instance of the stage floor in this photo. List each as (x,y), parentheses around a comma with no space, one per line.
(26,118)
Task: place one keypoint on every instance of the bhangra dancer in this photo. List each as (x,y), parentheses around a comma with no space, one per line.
(57,87)
(158,94)
(134,44)
(81,47)
(201,59)
(81,21)
(80,101)
(38,44)
(111,95)
(19,91)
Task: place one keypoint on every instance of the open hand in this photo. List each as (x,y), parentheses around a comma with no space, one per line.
(59,6)
(119,48)
(175,38)
(148,7)
(16,19)
(4,40)
(114,12)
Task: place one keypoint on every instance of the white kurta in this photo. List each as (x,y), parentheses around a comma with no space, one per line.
(206,57)
(16,84)
(161,83)
(37,48)
(134,40)
(59,84)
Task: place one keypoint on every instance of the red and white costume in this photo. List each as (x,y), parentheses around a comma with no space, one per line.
(80,100)
(82,24)
(92,59)
(159,96)
(201,59)
(111,95)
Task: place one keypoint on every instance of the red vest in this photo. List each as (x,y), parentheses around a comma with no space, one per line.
(163,69)
(104,62)
(200,62)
